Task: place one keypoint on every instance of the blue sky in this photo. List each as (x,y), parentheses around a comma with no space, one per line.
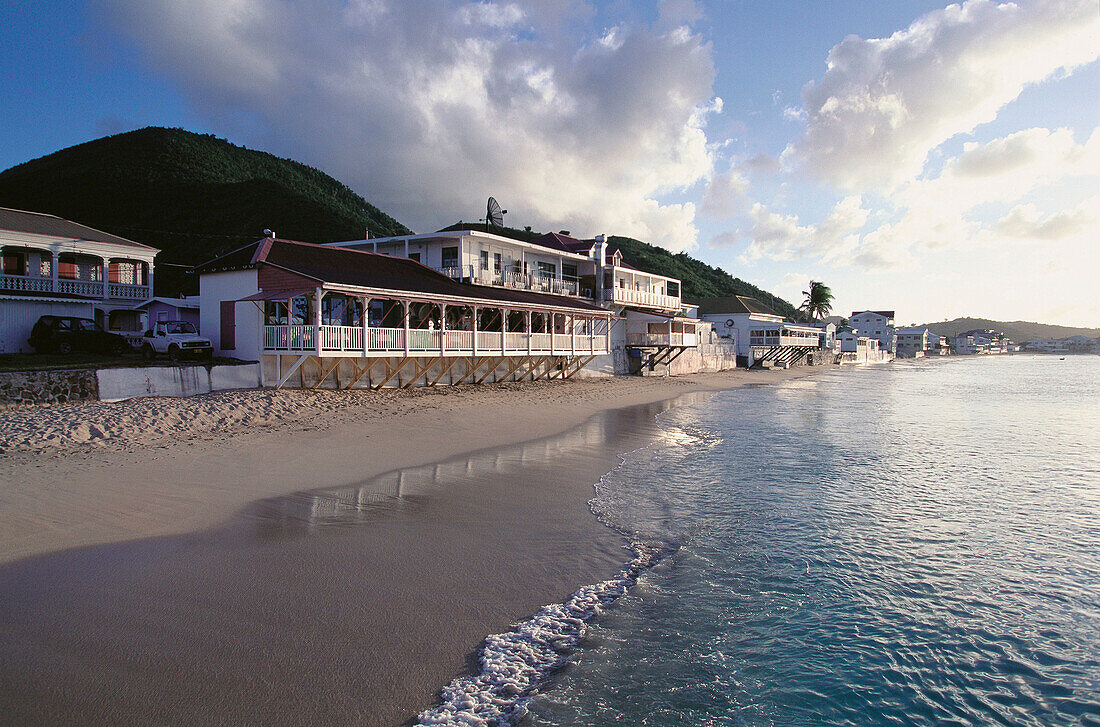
(943,165)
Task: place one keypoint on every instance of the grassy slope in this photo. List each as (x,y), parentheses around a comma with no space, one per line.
(1018,331)
(192,196)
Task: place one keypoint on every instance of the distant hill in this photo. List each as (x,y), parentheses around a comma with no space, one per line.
(193,196)
(698,279)
(1018,331)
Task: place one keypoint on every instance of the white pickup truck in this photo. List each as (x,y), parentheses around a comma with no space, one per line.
(175,339)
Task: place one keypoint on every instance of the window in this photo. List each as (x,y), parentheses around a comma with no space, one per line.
(569,271)
(484,259)
(547,270)
(450,257)
(496,261)
(15,263)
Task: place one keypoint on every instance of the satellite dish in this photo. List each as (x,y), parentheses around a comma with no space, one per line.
(494,215)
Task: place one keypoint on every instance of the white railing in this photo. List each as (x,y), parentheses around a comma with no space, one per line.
(341,338)
(290,338)
(127,292)
(512,279)
(812,341)
(68,286)
(86,288)
(662,339)
(382,341)
(25,283)
(640,297)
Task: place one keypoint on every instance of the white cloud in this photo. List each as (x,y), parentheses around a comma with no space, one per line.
(884,104)
(428,108)
(1028,222)
(726,195)
(780,236)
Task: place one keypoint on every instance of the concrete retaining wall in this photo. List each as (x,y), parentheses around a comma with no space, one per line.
(118,384)
(48,387)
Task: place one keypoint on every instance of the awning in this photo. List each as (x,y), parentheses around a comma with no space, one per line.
(277,294)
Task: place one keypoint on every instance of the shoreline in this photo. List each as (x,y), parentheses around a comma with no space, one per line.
(443,569)
(160,466)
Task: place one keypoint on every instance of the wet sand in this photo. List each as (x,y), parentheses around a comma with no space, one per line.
(351,606)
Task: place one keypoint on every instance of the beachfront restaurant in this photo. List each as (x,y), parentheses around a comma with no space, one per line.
(329,317)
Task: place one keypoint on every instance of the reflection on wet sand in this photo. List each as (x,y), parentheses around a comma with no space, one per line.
(346,606)
(407,490)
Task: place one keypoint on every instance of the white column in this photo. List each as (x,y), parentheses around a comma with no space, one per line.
(366,325)
(503,330)
(405,307)
(530,333)
(572,333)
(106,275)
(442,329)
(406,247)
(318,296)
(475,329)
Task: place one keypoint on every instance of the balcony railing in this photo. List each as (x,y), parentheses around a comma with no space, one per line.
(341,340)
(811,341)
(662,339)
(627,296)
(68,286)
(539,282)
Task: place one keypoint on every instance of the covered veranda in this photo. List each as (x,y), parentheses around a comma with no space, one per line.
(339,337)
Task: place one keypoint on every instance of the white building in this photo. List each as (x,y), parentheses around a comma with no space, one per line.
(52,266)
(914,341)
(877,324)
(322,316)
(858,348)
(552,263)
(761,335)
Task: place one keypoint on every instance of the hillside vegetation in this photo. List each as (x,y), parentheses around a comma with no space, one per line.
(1018,331)
(193,196)
(196,196)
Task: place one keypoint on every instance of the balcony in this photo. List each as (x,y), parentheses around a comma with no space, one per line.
(662,340)
(349,340)
(626,296)
(537,282)
(791,339)
(84,288)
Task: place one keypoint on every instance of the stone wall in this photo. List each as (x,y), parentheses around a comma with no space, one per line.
(48,387)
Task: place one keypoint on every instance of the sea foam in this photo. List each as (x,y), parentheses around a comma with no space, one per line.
(514,664)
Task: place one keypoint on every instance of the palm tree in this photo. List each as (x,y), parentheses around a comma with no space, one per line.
(819,301)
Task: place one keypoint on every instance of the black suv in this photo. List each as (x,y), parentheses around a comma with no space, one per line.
(64,334)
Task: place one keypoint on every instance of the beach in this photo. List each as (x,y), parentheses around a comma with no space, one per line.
(184,584)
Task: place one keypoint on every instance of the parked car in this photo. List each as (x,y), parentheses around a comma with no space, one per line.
(65,334)
(176,339)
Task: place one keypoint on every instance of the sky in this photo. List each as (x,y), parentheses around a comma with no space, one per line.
(937,160)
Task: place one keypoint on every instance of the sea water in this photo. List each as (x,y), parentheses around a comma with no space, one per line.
(912,544)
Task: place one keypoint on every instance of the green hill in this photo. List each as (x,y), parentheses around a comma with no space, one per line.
(192,196)
(1018,331)
(698,280)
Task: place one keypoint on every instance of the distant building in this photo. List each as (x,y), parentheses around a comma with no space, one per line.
(761,335)
(914,341)
(185,308)
(52,266)
(877,324)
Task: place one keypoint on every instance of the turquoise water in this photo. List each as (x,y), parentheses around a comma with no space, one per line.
(913,544)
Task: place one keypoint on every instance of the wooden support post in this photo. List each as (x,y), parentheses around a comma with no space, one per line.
(495,361)
(582,361)
(297,364)
(405,322)
(322,374)
(359,374)
(391,373)
(443,371)
(475,329)
(471,367)
(519,363)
